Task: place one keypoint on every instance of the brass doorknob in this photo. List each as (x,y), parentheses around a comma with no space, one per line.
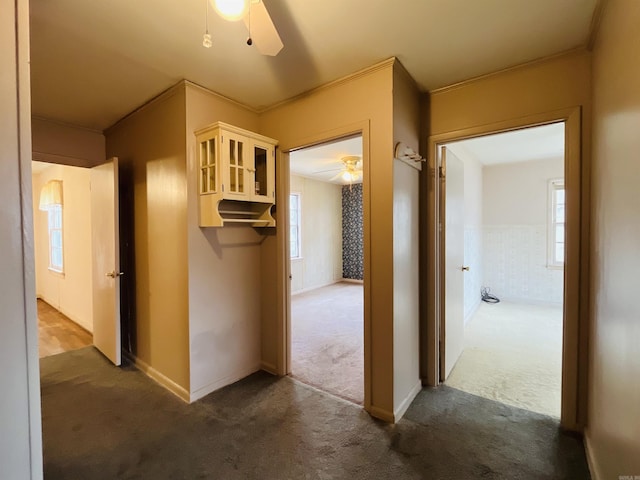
(465,269)
(113,274)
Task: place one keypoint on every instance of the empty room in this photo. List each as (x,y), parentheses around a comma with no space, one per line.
(513,247)
(327,271)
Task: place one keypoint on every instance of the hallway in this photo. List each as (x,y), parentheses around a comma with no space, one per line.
(100,421)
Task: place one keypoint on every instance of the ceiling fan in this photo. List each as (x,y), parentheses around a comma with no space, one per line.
(262,31)
(352,170)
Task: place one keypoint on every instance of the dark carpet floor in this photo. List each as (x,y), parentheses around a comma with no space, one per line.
(103,422)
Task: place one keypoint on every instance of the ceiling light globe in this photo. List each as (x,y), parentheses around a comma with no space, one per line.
(232,10)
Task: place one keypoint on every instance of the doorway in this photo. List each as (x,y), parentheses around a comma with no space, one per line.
(76,240)
(62,247)
(573,346)
(503,304)
(327,267)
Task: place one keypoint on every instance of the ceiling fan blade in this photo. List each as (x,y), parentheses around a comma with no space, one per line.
(263,33)
(336,176)
(330,170)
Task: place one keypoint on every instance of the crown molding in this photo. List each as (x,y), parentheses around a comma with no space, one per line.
(538,61)
(596,19)
(389,62)
(65,124)
(169,92)
(196,86)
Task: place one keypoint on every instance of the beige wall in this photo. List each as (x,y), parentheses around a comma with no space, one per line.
(224,268)
(364,100)
(150,144)
(517,193)
(541,87)
(63,144)
(540,91)
(20,421)
(613,434)
(70,293)
(406,242)
(321,237)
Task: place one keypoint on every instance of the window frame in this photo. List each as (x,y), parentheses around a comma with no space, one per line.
(555,185)
(298,226)
(55,225)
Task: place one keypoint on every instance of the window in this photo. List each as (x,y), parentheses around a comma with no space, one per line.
(294,225)
(556,223)
(51,202)
(56,262)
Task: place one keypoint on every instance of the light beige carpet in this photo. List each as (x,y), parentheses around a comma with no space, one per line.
(327,339)
(513,354)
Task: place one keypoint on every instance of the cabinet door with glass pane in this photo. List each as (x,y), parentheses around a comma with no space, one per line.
(209,161)
(263,168)
(236,181)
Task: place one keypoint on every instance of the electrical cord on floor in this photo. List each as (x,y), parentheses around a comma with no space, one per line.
(487,297)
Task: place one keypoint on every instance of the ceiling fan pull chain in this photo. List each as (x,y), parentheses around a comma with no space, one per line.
(249,40)
(206,38)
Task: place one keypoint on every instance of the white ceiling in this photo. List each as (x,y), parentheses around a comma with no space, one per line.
(94,62)
(323,162)
(534,143)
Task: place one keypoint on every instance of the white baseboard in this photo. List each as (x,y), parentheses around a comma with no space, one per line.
(591,460)
(223,382)
(315,287)
(160,378)
(404,406)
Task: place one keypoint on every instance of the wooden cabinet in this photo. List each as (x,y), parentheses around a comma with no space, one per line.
(236,176)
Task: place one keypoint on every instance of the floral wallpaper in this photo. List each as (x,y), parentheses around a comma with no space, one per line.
(352,236)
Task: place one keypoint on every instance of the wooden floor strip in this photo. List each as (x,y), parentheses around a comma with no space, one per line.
(58,333)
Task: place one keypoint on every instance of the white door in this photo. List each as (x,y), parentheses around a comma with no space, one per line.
(106,259)
(452,240)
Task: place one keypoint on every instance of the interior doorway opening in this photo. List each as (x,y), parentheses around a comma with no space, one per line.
(327,267)
(62,247)
(77,249)
(502,207)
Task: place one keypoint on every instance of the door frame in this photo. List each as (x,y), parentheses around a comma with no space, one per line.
(575,315)
(283,261)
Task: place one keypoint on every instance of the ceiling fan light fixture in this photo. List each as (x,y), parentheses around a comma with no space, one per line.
(351,172)
(350,176)
(231,10)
